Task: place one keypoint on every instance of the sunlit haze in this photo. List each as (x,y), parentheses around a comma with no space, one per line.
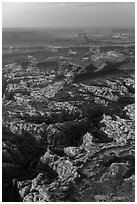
(68,14)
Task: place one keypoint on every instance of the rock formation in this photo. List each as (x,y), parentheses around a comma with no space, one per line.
(68,140)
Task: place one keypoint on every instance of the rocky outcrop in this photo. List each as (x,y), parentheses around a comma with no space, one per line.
(67,133)
(65,139)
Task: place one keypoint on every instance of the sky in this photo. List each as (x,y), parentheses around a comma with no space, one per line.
(69,14)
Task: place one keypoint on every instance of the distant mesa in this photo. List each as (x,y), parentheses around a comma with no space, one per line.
(83,38)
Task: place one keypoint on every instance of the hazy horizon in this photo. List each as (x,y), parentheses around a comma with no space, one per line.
(69,15)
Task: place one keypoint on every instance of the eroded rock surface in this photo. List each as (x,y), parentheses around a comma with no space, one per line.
(67,139)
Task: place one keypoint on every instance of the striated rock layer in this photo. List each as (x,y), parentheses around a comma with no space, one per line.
(68,139)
